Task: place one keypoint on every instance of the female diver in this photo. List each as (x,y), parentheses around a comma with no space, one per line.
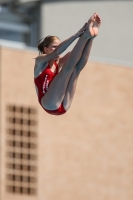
(55,77)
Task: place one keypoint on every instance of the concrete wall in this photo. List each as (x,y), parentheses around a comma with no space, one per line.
(84,154)
(114,43)
(16,82)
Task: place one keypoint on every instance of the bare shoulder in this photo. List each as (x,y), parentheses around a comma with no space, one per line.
(39,67)
(46,57)
(40,58)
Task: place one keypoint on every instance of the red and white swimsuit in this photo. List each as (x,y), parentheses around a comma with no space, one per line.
(42,83)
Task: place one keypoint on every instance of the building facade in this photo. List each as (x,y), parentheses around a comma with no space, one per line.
(87,152)
(83,154)
(24,22)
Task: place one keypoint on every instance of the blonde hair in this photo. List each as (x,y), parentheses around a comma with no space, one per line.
(45,42)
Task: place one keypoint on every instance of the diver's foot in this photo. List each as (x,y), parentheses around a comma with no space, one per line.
(96,25)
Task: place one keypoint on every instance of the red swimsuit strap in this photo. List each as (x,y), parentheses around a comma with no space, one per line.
(57,66)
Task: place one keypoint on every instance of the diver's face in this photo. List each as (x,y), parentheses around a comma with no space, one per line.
(52,46)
